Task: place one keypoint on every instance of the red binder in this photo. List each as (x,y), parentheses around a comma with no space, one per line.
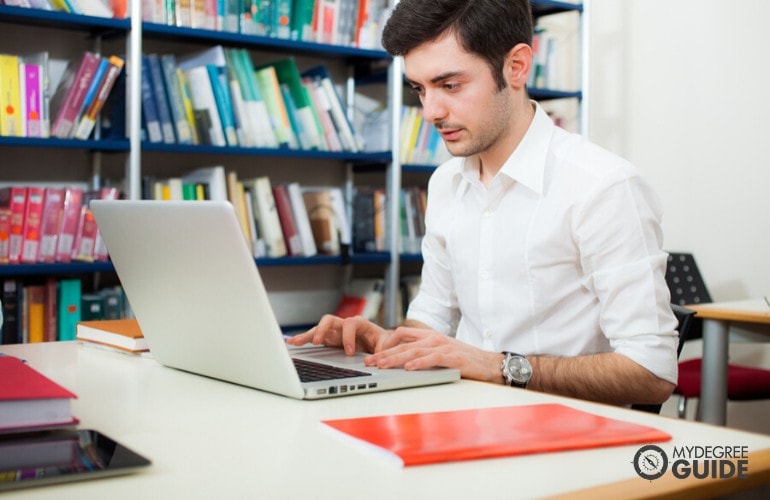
(427,438)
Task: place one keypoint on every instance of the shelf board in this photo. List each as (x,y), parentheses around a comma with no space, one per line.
(548,7)
(63,20)
(541,94)
(106,145)
(262,42)
(57,268)
(424,169)
(376,157)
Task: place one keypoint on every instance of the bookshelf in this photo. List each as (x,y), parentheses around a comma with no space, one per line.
(131,157)
(127,159)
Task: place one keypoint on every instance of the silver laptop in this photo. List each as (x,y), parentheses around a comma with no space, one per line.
(197,294)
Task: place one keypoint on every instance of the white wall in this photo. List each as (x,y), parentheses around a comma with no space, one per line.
(682,89)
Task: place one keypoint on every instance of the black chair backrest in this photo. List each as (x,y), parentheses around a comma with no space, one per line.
(685,318)
(685,281)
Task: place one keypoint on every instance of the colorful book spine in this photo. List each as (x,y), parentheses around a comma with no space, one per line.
(69,308)
(182,126)
(31,99)
(161,100)
(5,234)
(14,198)
(70,95)
(150,117)
(223,101)
(73,200)
(88,120)
(33,216)
(10,96)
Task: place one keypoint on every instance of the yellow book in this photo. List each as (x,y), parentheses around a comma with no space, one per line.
(10,96)
(36,312)
(188,108)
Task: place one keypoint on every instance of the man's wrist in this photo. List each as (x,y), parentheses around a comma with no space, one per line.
(516,370)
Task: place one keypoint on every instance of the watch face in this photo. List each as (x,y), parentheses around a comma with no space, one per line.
(519,369)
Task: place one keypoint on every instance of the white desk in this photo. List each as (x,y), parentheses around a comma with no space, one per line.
(717,318)
(209,439)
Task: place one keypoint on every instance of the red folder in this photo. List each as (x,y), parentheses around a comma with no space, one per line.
(426,438)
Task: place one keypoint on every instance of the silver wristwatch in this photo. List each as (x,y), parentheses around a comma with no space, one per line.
(516,369)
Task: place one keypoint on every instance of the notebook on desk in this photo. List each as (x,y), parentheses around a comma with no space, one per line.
(197,294)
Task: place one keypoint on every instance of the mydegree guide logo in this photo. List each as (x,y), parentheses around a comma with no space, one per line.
(716,462)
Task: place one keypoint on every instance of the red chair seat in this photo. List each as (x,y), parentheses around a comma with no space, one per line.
(743,383)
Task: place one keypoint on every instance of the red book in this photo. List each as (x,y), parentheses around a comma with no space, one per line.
(33,216)
(286,217)
(29,399)
(85,238)
(71,93)
(49,226)
(15,199)
(73,201)
(100,248)
(5,234)
(426,438)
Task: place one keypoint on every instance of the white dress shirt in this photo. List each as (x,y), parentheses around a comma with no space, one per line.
(560,255)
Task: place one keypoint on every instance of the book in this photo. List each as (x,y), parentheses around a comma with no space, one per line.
(448,436)
(323,81)
(10,96)
(33,215)
(207,121)
(288,223)
(362,297)
(267,80)
(301,219)
(175,94)
(14,198)
(41,61)
(308,130)
(214,178)
(266,213)
(123,334)
(153,128)
(69,294)
(90,114)
(68,228)
(36,313)
(323,222)
(257,112)
(5,234)
(31,93)
(70,94)
(11,311)
(29,399)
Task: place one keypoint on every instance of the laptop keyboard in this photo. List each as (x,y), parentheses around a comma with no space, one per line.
(313,372)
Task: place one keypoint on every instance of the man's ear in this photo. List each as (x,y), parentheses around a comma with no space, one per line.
(518,63)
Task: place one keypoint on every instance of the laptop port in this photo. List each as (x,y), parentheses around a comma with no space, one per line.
(321,391)
(332,390)
(373,385)
(361,386)
(343,389)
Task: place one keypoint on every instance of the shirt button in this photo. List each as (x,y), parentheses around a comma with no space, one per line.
(488,213)
(485,275)
(487,334)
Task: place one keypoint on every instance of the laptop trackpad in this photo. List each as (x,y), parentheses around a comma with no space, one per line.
(332,355)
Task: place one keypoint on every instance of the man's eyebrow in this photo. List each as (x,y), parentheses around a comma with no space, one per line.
(438,78)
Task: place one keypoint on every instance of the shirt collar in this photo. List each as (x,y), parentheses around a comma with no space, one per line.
(526,165)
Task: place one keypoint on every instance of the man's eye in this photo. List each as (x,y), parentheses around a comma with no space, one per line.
(451,86)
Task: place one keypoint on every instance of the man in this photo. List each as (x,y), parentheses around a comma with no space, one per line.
(542,255)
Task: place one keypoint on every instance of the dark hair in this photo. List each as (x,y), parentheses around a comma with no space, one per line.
(488,28)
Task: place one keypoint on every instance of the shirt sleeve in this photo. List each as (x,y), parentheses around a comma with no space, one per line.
(436,301)
(620,241)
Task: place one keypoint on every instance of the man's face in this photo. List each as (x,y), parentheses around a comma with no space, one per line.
(459,96)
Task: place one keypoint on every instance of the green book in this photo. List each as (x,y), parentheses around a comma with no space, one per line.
(69,308)
(311,135)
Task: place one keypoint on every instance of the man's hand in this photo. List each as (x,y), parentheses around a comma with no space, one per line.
(353,334)
(421,348)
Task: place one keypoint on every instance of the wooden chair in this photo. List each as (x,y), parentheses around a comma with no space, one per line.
(687,287)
